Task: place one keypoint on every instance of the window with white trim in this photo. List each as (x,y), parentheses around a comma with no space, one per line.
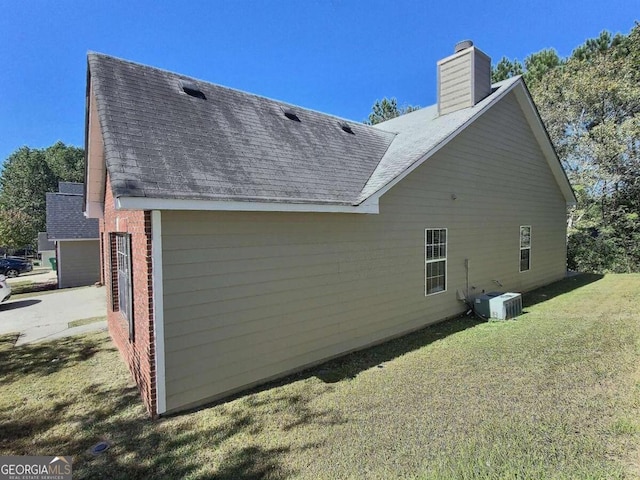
(435,260)
(525,248)
(123,267)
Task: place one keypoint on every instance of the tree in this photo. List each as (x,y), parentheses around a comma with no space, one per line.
(591,108)
(506,69)
(387,109)
(17,228)
(539,64)
(28,174)
(66,162)
(535,67)
(604,43)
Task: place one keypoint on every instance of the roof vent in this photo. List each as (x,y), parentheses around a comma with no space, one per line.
(463,45)
(192,89)
(290,114)
(346,128)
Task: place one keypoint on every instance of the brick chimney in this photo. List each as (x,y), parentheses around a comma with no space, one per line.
(464,78)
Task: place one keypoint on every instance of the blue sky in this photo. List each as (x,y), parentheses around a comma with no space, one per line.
(334,56)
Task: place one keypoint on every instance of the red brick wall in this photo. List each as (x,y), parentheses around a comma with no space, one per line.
(139,353)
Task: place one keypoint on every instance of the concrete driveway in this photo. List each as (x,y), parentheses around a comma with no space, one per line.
(45,317)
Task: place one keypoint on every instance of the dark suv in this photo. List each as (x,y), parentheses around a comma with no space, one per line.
(12,267)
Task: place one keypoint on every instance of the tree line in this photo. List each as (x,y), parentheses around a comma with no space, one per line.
(27,175)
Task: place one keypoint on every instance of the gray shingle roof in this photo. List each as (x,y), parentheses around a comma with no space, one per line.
(65,219)
(71,187)
(419,132)
(162,143)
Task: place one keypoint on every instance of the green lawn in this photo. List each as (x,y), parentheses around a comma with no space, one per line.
(29,288)
(38,289)
(86,321)
(553,394)
(21,284)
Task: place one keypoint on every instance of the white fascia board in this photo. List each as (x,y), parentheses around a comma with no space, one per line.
(158,310)
(375,198)
(145,203)
(540,132)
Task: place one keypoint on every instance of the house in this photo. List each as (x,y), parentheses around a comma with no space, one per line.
(246,238)
(46,249)
(77,249)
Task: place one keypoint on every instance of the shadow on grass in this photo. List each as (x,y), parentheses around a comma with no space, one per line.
(172,447)
(560,287)
(139,447)
(43,359)
(298,412)
(17,304)
(350,365)
(81,413)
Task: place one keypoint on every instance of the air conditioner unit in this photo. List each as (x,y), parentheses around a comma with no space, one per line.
(499,305)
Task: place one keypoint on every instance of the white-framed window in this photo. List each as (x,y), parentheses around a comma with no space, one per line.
(435,260)
(525,248)
(124,283)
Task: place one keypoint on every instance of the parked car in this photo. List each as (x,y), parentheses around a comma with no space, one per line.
(5,289)
(12,267)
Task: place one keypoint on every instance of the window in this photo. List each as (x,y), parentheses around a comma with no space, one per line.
(525,248)
(435,260)
(123,267)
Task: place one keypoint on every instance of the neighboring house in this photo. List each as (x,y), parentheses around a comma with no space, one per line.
(246,238)
(46,249)
(75,236)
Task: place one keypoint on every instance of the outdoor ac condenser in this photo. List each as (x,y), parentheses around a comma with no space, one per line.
(501,306)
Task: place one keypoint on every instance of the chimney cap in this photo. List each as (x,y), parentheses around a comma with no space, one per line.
(463,45)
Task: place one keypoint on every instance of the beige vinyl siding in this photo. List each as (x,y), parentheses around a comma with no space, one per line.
(482,80)
(251,295)
(455,84)
(78,262)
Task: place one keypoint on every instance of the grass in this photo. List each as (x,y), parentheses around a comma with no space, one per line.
(40,289)
(27,288)
(22,284)
(553,394)
(86,321)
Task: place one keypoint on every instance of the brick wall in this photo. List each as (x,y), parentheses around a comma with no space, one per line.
(139,352)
